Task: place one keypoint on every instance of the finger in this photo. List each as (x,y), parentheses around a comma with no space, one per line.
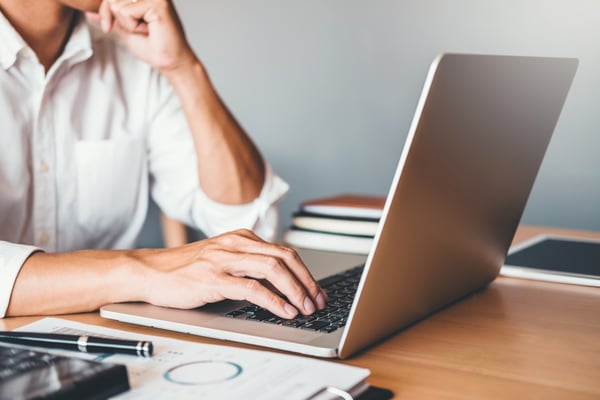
(272,288)
(253,291)
(247,241)
(131,16)
(106,16)
(300,270)
(127,33)
(94,18)
(273,270)
(149,11)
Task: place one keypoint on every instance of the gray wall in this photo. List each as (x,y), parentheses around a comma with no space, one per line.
(327,88)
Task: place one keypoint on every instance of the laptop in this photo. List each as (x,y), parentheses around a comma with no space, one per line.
(477,140)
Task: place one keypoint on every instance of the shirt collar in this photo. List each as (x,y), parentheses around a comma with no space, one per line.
(11,43)
(78,48)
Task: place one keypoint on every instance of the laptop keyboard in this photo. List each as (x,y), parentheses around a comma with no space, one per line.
(340,289)
(29,374)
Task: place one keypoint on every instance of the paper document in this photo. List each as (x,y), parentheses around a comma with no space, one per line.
(187,370)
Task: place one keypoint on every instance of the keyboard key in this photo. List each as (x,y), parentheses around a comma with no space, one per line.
(316,325)
(234,313)
(328,329)
(293,323)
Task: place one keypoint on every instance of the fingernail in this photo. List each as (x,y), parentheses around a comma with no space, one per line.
(290,310)
(320,301)
(309,307)
(323,291)
(104,25)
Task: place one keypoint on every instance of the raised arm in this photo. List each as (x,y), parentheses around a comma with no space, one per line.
(230,167)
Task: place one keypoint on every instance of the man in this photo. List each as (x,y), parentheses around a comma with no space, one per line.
(88,129)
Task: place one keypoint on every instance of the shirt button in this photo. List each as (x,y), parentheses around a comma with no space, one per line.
(44,167)
(44,238)
(27,53)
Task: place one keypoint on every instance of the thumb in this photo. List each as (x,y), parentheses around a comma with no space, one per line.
(92,17)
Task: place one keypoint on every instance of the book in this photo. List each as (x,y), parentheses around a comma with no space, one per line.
(346,205)
(335,224)
(305,238)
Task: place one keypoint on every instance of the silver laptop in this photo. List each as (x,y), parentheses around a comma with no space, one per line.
(477,140)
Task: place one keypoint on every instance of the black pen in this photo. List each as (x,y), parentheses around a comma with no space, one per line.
(83,343)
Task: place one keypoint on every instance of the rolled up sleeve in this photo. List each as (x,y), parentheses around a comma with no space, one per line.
(12,258)
(175,186)
(261,215)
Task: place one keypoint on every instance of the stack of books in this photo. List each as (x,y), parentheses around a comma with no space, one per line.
(343,223)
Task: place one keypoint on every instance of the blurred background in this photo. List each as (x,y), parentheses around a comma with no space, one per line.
(328,88)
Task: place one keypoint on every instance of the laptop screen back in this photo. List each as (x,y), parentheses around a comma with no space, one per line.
(470,160)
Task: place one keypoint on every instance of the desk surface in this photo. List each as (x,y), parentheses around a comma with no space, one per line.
(516,339)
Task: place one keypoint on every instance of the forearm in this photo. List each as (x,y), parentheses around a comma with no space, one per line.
(76,282)
(174,232)
(229,266)
(230,167)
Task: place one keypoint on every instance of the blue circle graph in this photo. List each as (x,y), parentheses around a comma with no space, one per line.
(203,372)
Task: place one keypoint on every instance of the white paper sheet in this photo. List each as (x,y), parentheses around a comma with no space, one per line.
(187,370)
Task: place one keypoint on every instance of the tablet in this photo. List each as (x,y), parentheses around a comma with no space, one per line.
(555,259)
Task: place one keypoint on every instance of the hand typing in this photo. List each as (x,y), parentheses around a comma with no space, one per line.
(236,265)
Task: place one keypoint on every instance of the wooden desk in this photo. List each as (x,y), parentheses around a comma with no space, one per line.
(516,339)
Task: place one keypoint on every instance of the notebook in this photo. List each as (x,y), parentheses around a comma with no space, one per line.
(477,140)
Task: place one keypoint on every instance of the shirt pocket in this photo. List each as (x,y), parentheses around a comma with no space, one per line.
(109,178)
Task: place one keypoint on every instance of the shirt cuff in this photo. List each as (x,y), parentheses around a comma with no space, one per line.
(12,258)
(260,216)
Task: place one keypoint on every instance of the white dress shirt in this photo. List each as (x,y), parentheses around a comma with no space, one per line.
(83,145)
